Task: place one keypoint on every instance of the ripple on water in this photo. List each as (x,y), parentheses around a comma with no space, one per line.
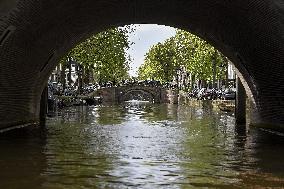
(141,146)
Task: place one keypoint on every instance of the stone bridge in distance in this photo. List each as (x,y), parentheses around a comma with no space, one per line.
(155,94)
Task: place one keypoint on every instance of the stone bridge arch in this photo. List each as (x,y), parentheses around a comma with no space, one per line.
(153,93)
(34,35)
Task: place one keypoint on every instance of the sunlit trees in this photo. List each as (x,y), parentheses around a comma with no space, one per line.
(103,56)
(202,61)
(160,62)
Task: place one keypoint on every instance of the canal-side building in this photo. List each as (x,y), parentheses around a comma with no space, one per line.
(231,75)
(55,76)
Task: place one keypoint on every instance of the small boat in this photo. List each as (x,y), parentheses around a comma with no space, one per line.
(226,107)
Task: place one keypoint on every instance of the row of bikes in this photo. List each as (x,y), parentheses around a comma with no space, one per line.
(213,94)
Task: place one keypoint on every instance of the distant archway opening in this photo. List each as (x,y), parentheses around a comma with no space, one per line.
(139,95)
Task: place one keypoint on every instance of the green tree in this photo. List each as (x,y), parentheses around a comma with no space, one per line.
(103,55)
(201,59)
(160,62)
(197,56)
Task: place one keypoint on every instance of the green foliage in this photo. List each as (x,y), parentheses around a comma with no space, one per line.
(183,50)
(160,62)
(199,57)
(105,54)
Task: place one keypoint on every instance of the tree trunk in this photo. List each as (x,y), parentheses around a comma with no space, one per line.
(214,70)
(91,80)
(192,81)
(87,76)
(76,84)
(227,78)
(63,76)
(80,79)
(69,69)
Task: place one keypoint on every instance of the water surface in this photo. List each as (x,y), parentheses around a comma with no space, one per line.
(141,145)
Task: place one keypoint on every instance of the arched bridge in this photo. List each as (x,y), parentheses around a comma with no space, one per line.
(34,35)
(156,94)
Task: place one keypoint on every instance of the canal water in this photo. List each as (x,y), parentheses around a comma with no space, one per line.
(141,145)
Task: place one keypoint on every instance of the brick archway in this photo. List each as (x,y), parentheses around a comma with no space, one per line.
(36,34)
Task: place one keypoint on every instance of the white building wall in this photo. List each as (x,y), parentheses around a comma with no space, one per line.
(231,71)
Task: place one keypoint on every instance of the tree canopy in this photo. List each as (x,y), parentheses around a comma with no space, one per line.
(105,54)
(185,50)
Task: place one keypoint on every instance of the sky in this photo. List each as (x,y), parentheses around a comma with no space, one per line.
(145,36)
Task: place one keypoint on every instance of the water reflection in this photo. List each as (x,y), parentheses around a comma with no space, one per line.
(22,158)
(141,145)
